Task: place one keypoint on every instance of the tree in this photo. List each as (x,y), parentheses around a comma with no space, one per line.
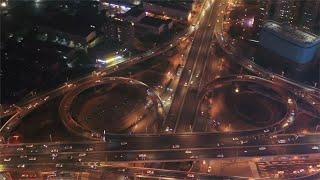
(234,31)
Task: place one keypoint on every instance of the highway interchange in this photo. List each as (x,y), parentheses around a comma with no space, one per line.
(176,141)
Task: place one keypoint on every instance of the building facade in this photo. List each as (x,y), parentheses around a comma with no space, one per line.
(305,14)
(180,12)
(294,44)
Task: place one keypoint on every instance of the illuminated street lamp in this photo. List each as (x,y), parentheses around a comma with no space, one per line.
(289,101)
(236,90)
(304,131)
(3,4)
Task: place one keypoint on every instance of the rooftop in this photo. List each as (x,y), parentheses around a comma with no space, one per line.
(182,5)
(151,21)
(135,12)
(121,3)
(292,34)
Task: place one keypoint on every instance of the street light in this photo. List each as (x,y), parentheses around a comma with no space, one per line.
(236,90)
(3,4)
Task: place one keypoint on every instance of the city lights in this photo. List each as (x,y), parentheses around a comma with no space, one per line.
(136,89)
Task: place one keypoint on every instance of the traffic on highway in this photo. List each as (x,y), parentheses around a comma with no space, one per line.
(175,121)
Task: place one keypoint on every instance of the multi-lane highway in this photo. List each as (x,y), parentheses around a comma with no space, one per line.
(188,145)
(97,156)
(102,168)
(182,112)
(176,142)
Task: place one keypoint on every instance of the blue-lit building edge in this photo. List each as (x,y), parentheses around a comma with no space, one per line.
(288,49)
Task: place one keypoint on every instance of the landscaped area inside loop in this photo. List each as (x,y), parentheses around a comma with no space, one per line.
(242,106)
(112,105)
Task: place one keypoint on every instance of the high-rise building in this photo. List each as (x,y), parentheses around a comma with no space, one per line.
(305,14)
(284,11)
(310,15)
(118,31)
(290,42)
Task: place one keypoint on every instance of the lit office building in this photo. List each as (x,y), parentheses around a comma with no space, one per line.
(294,44)
(180,12)
(305,14)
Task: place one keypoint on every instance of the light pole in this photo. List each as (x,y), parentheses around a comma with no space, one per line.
(104,135)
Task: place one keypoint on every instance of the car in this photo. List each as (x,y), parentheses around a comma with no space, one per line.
(27,175)
(34,151)
(123,156)
(23,156)
(188,152)
(243,141)
(69,85)
(219,144)
(190,175)
(21,166)
(67,147)
(32,158)
(93,166)
(54,150)
(285,125)
(82,154)
(46,98)
(194,157)
(53,155)
(175,146)
(122,170)
(123,143)
(70,157)
(94,134)
(20,149)
(89,149)
(7,159)
(292,113)
(150,172)
(281,141)
(209,169)
(315,147)
(168,129)
(220,155)
(266,130)
(142,155)
(58,165)
(262,148)
(29,145)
